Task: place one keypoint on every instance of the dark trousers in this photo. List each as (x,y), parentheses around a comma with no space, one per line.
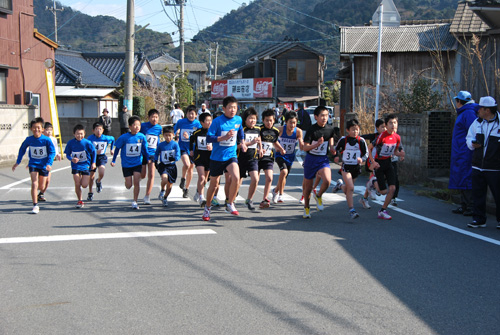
(466,199)
(395,166)
(481,180)
(124,130)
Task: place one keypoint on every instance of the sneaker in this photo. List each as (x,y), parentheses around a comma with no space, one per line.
(164,202)
(275,196)
(353,214)
(146,200)
(280,199)
(90,197)
(475,224)
(185,193)
(196,196)
(161,195)
(41,197)
(394,203)
(250,205)
(206,214)
(135,205)
(365,203)
(319,202)
(98,184)
(215,202)
(264,204)
(374,194)
(183,183)
(338,186)
(80,204)
(301,199)
(307,213)
(36,210)
(382,214)
(230,208)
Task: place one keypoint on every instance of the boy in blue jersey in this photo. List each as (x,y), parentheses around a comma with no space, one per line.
(152,131)
(41,157)
(224,133)
(168,152)
(134,146)
(101,143)
(82,154)
(47,131)
(183,129)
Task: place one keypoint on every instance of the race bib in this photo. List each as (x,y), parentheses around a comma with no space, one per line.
(100,147)
(321,150)
(288,144)
(133,149)
(152,141)
(189,133)
(230,142)
(268,148)
(387,150)
(167,156)
(81,155)
(350,155)
(250,138)
(38,152)
(202,143)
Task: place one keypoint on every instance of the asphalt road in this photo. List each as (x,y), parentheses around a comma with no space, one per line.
(106,269)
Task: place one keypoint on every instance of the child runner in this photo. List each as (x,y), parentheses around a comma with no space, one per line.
(318,139)
(41,156)
(168,152)
(101,143)
(184,129)
(387,144)
(353,151)
(289,136)
(201,155)
(269,139)
(248,161)
(152,131)
(134,146)
(47,131)
(224,133)
(82,154)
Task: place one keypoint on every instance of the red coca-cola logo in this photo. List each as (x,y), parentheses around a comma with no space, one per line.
(262,87)
(219,88)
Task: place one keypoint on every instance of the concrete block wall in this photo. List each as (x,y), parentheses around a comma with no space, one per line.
(14,128)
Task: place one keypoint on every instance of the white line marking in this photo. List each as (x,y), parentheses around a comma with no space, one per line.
(60,238)
(29,179)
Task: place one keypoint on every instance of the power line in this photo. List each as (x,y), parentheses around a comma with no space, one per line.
(305,14)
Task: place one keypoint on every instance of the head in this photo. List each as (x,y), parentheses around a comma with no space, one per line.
(79,132)
(230,106)
(153,116)
(125,109)
(205,120)
(487,108)
(177,106)
(36,126)
(391,123)
(105,112)
(203,107)
(352,127)
(168,133)
(268,118)
(98,129)
(462,98)
(380,126)
(134,124)
(301,105)
(249,117)
(321,115)
(191,112)
(291,120)
(48,129)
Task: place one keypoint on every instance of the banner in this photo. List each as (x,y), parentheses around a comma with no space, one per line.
(250,88)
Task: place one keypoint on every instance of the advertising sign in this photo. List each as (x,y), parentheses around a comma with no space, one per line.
(250,88)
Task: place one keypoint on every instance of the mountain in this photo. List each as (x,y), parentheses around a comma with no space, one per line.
(83,32)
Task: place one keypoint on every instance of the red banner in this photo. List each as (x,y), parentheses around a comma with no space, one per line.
(249,88)
(263,87)
(219,89)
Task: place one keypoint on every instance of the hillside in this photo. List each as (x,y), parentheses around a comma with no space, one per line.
(94,33)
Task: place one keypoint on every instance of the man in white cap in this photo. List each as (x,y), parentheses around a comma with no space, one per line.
(202,110)
(484,139)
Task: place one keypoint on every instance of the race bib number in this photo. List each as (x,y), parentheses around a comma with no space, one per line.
(189,132)
(133,149)
(387,150)
(230,142)
(152,141)
(38,152)
(100,147)
(321,150)
(250,138)
(288,144)
(167,156)
(268,148)
(202,143)
(81,155)
(350,156)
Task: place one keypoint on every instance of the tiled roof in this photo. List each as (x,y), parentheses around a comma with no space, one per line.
(162,57)
(113,64)
(278,49)
(413,38)
(466,21)
(172,67)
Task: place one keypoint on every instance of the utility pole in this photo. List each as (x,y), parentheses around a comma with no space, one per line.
(216,55)
(180,25)
(54,11)
(210,62)
(129,56)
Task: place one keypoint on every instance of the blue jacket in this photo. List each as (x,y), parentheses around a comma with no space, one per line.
(461,156)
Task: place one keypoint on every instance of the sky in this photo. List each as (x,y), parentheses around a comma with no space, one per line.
(198,14)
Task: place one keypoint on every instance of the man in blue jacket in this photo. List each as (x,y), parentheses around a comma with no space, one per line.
(461,156)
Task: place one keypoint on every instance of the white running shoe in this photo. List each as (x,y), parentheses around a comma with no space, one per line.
(161,195)
(319,202)
(230,208)
(135,205)
(280,199)
(275,196)
(307,213)
(365,203)
(35,209)
(146,200)
(382,214)
(338,186)
(301,199)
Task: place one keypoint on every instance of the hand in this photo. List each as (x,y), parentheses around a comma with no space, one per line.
(58,157)
(112,164)
(283,151)
(209,146)
(320,141)
(93,166)
(476,145)
(75,160)
(261,153)
(48,168)
(401,156)
(336,160)
(191,153)
(375,165)
(112,152)
(243,147)
(185,135)
(360,160)
(14,167)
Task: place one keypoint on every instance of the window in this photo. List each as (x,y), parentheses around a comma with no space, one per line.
(296,70)
(3,86)
(6,6)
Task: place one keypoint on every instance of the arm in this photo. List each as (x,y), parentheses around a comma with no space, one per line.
(51,150)
(22,151)
(300,139)
(374,165)
(308,146)
(117,151)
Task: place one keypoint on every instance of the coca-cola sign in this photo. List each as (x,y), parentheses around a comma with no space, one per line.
(249,88)
(263,87)
(219,88)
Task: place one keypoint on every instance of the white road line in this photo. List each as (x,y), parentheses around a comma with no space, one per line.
(29,179)
(61,238)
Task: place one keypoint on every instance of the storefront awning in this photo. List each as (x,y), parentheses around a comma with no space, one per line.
(71,91)
(297,99)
